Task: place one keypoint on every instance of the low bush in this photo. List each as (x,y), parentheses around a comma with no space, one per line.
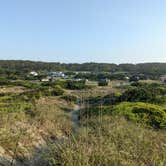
(110,99)
(26,84)
(70,98)
(4,81)
(57,90)
(102,83)
(145,113)
(95,111)
(137,94)
(76,85)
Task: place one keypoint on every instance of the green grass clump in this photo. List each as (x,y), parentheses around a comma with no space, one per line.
(57,90)
(149,114)
(24,83)
(15,107)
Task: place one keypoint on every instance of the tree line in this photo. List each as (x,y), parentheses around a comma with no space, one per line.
(20,67)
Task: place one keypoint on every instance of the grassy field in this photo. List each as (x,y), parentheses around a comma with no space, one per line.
(108,137)
(111,141)
(118,125)
(27,124)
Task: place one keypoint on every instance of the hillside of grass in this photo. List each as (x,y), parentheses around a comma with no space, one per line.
(117,130)
(112,141)
(63,123)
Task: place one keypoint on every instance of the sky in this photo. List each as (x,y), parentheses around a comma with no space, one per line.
(78,31)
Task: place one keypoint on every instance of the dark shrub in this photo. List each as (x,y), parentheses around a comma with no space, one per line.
(70,98)
(76,85)
(138,94)
(102,83)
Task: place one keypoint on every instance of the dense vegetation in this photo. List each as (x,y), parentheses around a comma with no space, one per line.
(72,122)
(16,69)
(149,114)
(118,129)
(110,141)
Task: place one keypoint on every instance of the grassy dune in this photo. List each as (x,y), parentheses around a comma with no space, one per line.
(111,141)
(107,132)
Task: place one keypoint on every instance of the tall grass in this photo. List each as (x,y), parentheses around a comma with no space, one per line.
(21,133)
(111,142)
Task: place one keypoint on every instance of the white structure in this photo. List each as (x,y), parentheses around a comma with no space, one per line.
(33,73)
(56,75)
(45,80)
(127,78)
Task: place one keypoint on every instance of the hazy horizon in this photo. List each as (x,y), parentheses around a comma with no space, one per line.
(81,62)
(79,31)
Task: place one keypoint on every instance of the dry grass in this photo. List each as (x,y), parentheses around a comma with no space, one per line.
(150,81)
(51,118)
(100,141)
(20,133)
(111,141)
(13,89)
(95,91)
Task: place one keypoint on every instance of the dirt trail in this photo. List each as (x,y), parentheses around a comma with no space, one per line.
(74,115)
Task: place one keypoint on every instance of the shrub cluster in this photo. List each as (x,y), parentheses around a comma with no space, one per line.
(149,114)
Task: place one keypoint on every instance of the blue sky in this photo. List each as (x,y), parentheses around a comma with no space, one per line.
(113,31)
